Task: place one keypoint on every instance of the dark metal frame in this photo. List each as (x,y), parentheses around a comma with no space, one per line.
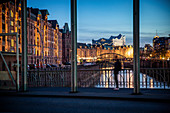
(136,62)
(24,44)
(136,68)
(74,46)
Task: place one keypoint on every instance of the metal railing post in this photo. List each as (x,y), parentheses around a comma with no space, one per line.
(18,85)
(74,46)
(24,44)
(136,60)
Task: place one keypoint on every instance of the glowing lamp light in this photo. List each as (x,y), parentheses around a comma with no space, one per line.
(129,53)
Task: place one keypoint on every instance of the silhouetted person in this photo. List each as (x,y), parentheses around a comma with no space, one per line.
(116,71)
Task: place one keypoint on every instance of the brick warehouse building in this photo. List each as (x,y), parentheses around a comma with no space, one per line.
(44,37)
(66,44)
(10,21)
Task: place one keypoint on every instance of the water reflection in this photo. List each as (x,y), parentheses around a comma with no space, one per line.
(125,80)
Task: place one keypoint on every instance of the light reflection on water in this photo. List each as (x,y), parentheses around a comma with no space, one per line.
(125,80)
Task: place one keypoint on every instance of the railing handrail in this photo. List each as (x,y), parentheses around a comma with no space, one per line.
(155,68)
(96,70)
(77,70)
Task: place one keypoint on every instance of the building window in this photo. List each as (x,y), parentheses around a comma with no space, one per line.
(3,16)
(19,23)
(12,31)
(34,51)
(19,13)
(37,53)
(3,39)
(31,33)
(37,61)
(19,31)
(3,48)
(31,60)
(12,42)
(11,13)
(3,27)
(19,40)
(12,23)
(38,23)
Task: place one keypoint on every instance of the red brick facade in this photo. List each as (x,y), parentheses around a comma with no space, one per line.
(44,40)
(66,44)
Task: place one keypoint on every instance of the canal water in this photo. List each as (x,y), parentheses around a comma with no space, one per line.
(125,80)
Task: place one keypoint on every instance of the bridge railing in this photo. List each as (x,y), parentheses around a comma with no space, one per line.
(149,78)
(155,77)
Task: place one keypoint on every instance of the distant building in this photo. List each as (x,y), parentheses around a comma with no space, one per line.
(112,41)
(66,44)
(90,53)
(148,48)
(42,31)
(167,43)
(161,43)
(161,47)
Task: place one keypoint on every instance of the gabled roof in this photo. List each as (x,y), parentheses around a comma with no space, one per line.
(104,41)
(53,22)
(81,44)
(44,12)
(61,30)
(114,37)
(66,28)
(35,11)
(101,41)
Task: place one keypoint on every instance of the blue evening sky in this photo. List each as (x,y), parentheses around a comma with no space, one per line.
(103,18)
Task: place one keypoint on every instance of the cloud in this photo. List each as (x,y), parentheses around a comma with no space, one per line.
(105,31)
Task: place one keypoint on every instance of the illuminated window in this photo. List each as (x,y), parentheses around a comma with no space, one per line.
(12,14)
(12,23)
(12,31)
(12,42)
(34,51)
